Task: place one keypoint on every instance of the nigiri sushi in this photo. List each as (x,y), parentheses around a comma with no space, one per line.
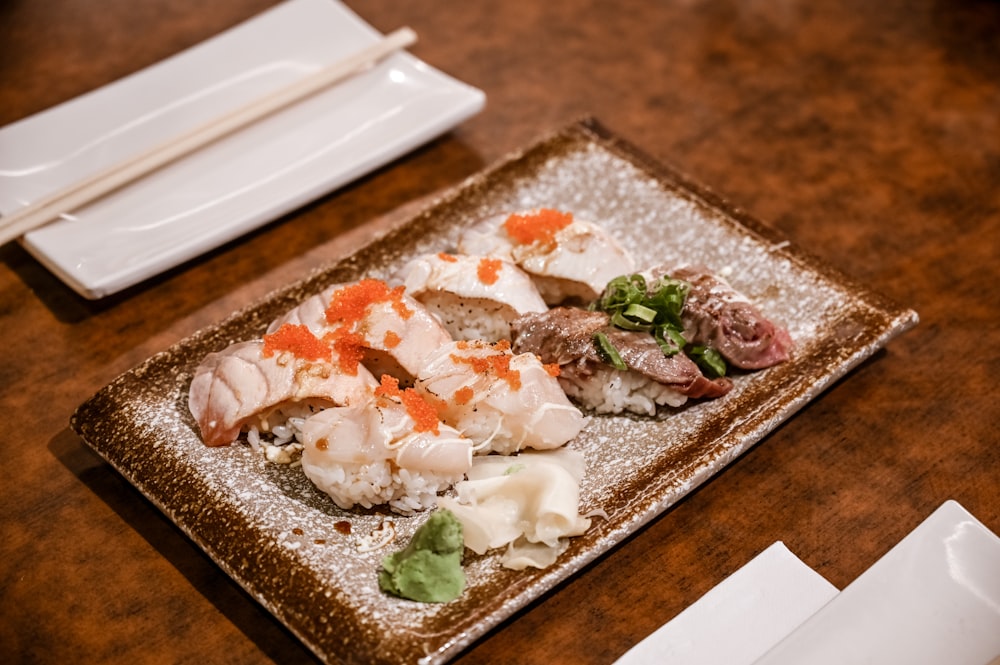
(565,336)
(259,383)
(502,401)
(474,297)
(371,324)
(311,312)
(569,259)
(717,315)
(389,449)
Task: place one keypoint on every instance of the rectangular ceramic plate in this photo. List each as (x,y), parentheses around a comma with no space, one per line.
(933,598)
(240,182)
(268,528)
(740,618)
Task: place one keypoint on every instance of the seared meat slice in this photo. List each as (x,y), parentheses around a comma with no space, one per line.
(562,335)
(718,316)
(565,336)
(642,354)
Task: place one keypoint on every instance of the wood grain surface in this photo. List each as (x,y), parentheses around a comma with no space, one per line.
(868,133)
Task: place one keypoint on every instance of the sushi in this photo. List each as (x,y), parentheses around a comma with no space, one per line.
(503,401)
(474,297)
(372,324)
(259,384)
(458,382)
(569,259)
(309,384)
(389,449)
(399,440)
(647,379)
(718,316)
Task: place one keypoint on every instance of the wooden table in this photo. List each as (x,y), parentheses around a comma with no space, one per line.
(868,133)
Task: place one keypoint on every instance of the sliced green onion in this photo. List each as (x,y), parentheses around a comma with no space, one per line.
(619,320)
(709,360)
(655,308)
(608,351)
(634,305)
(668,298)
(669,340)
(621,292)
(641,312)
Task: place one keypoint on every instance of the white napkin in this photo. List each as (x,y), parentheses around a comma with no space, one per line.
(933,598)
(742,617)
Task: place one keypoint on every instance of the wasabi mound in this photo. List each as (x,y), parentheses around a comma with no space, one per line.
(429,570)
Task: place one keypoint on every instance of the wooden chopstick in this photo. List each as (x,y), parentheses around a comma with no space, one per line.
(93,187)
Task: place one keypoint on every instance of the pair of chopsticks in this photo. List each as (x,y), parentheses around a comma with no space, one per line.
(104,182)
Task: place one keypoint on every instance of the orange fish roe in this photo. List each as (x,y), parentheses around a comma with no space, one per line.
(424,415)
(463,395)
(398,304)
(351,303)
(552,369)
(488,271)
(350,348)
(391,340)
(497,364)
(388,387)
(450,258)
(539,226)
(297,339)
(501,366)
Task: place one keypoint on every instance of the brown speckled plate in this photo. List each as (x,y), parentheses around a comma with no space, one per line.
(284,542)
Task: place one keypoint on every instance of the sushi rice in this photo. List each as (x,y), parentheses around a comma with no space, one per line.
(610,390)
(279,438)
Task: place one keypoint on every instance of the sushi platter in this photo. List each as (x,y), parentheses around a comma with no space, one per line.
(301,556)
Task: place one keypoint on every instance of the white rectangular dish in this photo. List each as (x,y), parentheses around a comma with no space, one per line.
(933,598)
(740,618)
(236,184)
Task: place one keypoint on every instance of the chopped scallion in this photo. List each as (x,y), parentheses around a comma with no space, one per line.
(608,351)
(641,312)
(709,360)
(654,307)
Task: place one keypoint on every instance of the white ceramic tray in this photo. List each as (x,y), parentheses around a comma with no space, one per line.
(234,185)
(740,618)
(933,598)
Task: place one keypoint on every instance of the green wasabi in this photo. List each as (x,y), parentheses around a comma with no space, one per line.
(429,570)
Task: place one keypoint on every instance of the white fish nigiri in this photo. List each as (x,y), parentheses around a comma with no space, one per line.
(503,401)
(383,328)
(474,297)
(569,259)
(390,449)
(311,312)
(245,382)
